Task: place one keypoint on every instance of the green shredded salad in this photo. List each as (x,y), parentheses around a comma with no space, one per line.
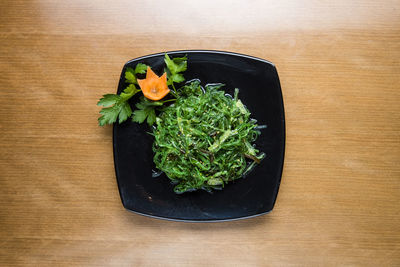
(203,139)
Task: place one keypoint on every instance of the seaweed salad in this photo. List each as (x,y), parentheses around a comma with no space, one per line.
(203,137)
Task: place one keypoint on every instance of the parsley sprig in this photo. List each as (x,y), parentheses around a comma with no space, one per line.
(116,107)
(174,70)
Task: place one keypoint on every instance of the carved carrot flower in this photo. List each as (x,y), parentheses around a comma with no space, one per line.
(154,87)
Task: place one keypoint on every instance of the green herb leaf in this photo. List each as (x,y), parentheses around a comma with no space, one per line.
(130,76)
(117,106)
(140,68)
(129,91)
(130,73)
(108,100)
(139,115)
(175,66)
(120,110)
(151,116)
(109,115)
(146,110)
(125,112)
(177,78)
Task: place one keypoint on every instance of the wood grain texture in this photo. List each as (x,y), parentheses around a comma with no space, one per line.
(339,65)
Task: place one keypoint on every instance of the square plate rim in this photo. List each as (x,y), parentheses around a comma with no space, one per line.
(115,156)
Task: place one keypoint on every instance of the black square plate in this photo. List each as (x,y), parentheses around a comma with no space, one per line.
(254,195)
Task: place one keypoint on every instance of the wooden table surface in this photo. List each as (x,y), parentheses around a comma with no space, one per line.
(339,65)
